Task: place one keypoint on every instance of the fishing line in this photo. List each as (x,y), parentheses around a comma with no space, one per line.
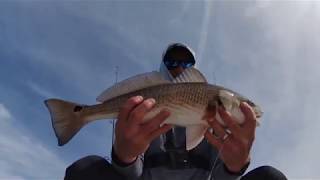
(113,121)
(214,164)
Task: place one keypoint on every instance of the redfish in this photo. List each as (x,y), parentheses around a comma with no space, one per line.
(186,99)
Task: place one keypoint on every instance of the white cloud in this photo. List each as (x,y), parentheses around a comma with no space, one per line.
(40,90)
(275,47)
(270,52)
(4,113)
(285,67)
(22,156)
(204,30)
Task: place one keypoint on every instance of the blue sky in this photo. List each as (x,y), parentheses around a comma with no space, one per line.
(266,50)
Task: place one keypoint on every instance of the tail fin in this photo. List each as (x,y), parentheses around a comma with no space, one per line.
(66,119)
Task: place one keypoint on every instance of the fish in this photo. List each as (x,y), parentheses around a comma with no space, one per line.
(187,98)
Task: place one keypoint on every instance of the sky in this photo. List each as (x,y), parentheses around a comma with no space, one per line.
(265,50)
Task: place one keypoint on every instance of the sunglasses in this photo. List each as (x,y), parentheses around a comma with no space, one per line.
(172,64)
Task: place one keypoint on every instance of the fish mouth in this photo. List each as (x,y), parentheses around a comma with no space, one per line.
(230,102)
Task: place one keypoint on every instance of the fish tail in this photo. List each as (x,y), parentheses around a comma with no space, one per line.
(66,119)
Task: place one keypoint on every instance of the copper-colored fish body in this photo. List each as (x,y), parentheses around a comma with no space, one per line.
(187,102)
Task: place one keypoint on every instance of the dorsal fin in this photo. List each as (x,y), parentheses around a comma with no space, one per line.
(134,83)
(190,75)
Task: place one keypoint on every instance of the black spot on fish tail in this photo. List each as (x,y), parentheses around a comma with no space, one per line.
(77,108)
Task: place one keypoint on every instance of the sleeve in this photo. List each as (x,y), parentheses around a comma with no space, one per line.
(220,171)
(132,170)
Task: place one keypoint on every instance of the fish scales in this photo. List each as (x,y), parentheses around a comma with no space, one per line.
(187,102)
(179,94)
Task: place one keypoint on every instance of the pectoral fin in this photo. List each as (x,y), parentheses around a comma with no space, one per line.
(194,135)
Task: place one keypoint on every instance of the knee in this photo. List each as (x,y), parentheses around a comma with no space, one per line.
(267,173)
(270,172)
(86,166)
(86,162)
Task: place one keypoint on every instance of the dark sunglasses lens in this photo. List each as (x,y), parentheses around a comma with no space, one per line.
(171,64)
(174,64)
(187,64)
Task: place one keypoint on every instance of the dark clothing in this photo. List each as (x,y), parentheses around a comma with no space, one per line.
(191,170)
(264,173)
(98,168)
(92,167)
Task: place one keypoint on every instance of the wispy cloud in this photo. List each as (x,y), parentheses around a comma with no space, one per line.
(204,30)
(23,156)
(281,72)
(40,90)
(267,50)
(4,113)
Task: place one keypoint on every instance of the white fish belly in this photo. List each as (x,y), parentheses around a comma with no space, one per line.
(181,115)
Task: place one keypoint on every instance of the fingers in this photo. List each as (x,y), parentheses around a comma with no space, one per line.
(165,128)
(250,122)
(138,113)
(213,140)
(128,106)
(156,121)
(231,124)
(218,131)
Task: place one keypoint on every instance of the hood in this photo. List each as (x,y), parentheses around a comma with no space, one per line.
(163,69)
(165,72)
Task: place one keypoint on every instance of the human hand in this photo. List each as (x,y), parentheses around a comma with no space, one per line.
(132,135)
(236,141)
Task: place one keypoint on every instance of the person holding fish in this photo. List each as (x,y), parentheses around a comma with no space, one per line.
(167,143)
